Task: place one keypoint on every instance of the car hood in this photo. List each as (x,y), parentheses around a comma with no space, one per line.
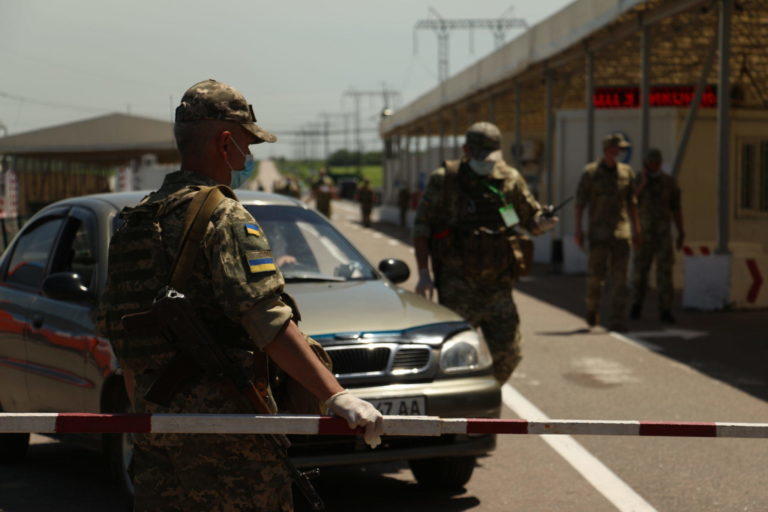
(363,306)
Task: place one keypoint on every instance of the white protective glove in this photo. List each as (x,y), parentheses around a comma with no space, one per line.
(358,413)
(545,223)
(425,287)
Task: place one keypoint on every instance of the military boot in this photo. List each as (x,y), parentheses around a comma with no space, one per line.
(666,317)
(593,318)
(636,312)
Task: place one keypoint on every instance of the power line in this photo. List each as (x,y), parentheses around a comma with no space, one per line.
(54,104)
(388,96)
(442,28)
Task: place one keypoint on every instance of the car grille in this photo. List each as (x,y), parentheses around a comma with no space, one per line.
(359,360)
(411,359)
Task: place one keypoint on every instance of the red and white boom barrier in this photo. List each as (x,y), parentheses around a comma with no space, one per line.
(70,423)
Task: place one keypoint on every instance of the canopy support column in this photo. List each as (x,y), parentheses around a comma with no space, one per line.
(724,125)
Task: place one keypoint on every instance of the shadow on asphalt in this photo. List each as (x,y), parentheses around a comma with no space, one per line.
(61,477)
(374,488)
(731,346)
(733,349)
(58,477)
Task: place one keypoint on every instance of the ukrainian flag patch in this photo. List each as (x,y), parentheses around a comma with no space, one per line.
(261,265)
(252,229)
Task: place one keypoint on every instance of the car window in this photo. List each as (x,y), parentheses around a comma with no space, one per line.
(306,247)
(77,251)
(31,252)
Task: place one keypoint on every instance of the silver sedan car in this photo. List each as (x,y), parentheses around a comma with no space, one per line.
(401,352)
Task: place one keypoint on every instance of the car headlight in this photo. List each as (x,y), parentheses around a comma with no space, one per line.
(465,351)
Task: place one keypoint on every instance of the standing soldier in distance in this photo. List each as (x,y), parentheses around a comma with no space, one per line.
(658,200)
(240,301)
(365,197)
(465,225)
(607,190)
(322,191)
(403,203)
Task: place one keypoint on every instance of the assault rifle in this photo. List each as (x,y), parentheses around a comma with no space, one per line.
(549,211)
(173,316)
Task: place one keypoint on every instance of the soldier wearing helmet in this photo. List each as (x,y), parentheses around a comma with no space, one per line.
(467,225)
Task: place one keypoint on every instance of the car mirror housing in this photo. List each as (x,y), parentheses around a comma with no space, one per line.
(66,286)
(396,271)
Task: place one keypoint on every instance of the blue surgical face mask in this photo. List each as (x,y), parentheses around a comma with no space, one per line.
(240,177)
(481,167)
(245,155)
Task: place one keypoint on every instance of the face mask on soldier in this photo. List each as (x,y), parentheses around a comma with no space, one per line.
(237,178)
(481,167)
(245,155)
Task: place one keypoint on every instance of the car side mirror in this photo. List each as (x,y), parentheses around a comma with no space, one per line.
(66,286)
(396,271)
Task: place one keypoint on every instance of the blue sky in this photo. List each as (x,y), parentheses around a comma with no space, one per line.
(292,59)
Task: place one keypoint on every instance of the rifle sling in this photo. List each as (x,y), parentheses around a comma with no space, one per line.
(198,215)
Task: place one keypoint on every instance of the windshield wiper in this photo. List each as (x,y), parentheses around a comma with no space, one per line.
(310,277)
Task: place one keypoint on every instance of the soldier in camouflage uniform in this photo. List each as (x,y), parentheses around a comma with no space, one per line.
(365,198)
(606,189)
(236,289)
(465,224)
(322,191)
(658,198)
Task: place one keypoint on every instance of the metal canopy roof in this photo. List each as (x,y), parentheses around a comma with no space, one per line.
(108,137)
(542,41)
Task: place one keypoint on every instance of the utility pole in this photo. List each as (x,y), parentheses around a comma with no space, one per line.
(386,95)
(327,117)
(442,28)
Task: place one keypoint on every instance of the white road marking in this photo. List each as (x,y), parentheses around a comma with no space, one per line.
(604,370)
(607,483)
(393,242)
(636,341)
(378,235)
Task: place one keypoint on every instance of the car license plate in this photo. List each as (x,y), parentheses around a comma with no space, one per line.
(410,406)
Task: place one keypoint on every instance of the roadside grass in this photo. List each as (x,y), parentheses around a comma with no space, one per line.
(307,170)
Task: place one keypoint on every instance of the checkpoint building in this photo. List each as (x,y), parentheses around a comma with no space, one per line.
(685,76)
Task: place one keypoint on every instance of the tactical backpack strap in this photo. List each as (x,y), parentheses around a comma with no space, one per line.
(199,213)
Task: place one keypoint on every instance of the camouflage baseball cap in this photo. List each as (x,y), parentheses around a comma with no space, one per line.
(617,140)
(485,139)
(210,100)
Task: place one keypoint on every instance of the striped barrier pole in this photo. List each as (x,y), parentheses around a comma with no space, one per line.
(70,423)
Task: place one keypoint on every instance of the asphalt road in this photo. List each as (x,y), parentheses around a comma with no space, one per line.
(567,372)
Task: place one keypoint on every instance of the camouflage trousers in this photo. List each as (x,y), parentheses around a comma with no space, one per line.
(365,213)
(658,248)
(609,259)
(494,311)
(208,472)
(323,204)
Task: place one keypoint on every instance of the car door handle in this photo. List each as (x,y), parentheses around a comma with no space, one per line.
(37,321)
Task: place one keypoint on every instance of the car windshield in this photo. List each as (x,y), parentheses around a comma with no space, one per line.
(307,248)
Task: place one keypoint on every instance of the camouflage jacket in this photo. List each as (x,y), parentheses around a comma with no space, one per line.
(365,196)
(658,200)
(608,193)
(451,216)
(234,274)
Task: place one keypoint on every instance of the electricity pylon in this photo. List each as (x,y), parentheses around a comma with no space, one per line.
(442,28)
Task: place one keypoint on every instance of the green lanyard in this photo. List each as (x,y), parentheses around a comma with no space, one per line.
(497,192)
(507,212)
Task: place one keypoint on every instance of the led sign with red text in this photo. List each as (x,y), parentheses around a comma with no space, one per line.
(661,96)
